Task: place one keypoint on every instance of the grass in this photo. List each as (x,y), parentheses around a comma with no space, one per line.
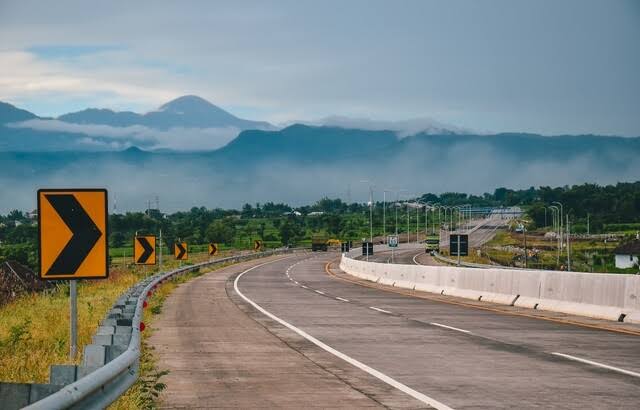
(34,328)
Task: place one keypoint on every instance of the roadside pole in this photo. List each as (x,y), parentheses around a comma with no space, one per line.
(73,314)
(160,266)
(458,249)
(568,245)
(526,261)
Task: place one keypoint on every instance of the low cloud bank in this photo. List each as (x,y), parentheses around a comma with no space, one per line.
(108,137)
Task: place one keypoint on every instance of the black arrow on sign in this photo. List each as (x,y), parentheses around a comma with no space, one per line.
(213,250)
(148,250)
(85,234)
(182,251)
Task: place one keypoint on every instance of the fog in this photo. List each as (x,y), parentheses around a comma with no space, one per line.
(182,181)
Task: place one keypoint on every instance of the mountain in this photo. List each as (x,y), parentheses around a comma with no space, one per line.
(301,163)
(102,117)
(189,111)
(302,143)
(10,113)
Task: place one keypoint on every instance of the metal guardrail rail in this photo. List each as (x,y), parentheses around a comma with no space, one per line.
(101,387)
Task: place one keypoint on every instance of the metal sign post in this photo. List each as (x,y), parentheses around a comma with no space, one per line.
(73,314)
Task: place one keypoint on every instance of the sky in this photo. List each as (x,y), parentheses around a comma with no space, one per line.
(545,66)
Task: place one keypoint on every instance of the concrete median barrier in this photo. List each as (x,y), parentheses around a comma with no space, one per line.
(598,295)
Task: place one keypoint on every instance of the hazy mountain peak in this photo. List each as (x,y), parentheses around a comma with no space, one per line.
(188,103)
(10,113)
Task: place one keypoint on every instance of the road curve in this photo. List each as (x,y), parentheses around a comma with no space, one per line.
(220,356)
(457,356)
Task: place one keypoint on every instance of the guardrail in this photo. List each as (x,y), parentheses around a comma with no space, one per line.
(104,384)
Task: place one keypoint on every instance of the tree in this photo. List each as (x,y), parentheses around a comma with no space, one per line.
(221,230)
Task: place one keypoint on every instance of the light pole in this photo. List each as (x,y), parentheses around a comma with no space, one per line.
(561,223)
(384,216)
(556,227)
(366,181)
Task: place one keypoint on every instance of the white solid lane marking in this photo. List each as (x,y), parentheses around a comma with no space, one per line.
(415,261)
(592,363)
(375,373)
(450,327)
(304,287)
(379,310)
(319,291)
(296,282)
(342,299)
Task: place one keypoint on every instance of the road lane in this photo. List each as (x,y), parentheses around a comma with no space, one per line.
(219,357)
(460,356)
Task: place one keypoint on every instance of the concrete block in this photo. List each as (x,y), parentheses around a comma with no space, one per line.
(85,370)
(40,391)
(94,355)
(14,395)
(123,330)
(102,339)
(108,322)
(62,374)
(106,330)
(114,351)
(121,339)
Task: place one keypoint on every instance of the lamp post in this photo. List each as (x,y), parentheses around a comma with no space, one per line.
(561,223)
(556,228)
(370,214)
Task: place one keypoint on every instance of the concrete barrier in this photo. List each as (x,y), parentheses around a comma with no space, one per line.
(598,295)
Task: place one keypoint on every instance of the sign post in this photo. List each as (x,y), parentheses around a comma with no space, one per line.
(73,314)
(393,243)
(72,227)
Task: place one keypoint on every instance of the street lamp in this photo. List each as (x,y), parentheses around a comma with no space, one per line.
(561,222)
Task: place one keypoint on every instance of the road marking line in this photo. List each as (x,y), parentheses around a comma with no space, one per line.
(604,366)
(380,310)
(296,282)
(449,327)
(342,299)
(415,261)
(319,291)
(375,373)
(437,298)
(304,287)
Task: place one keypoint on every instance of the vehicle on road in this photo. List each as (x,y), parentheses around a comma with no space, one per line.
(432,243)
(319,242)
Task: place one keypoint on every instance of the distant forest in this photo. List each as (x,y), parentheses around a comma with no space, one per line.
(611,207)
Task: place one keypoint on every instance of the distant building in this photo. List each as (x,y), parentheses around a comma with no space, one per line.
(33,215)
(627,254)
(316,213)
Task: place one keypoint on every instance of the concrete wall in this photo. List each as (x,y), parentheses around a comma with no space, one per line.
(598,295)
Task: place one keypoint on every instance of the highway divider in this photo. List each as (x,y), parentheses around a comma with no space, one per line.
(598,295)
(111,363)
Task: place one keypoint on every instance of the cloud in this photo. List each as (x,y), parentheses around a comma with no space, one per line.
(484,67)
(105,136)
(402,128)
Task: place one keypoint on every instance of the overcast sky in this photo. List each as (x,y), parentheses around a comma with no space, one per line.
(540,66)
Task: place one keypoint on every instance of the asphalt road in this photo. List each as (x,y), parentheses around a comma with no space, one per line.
(220,353)
(445,354)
